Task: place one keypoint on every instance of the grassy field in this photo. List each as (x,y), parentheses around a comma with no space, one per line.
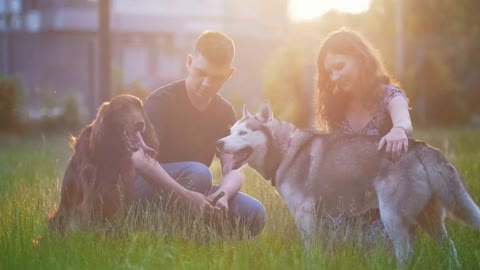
(30,178)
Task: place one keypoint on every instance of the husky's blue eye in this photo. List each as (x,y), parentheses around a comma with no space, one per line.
(241,133)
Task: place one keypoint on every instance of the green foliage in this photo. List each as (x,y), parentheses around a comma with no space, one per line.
(55,113)
(237,100)
(434,93)
(284,86)
(448,33)
(136,88)
(49,98)
(11,104)
(65,115)
(71,115)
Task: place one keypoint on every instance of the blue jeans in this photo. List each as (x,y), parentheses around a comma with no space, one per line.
(245,213)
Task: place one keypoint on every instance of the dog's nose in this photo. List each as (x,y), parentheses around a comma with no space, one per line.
(220,145)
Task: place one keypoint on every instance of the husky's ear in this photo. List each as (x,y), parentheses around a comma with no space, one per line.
(246,113)
(265,113)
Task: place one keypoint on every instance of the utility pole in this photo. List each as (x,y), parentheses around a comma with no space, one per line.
(104,50)
(399,36)
(6,39)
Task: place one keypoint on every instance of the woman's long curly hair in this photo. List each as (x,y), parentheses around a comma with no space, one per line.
(330,101)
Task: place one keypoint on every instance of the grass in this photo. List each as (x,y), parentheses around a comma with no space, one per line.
(30,179)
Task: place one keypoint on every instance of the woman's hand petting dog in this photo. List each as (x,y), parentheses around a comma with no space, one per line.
(395,142)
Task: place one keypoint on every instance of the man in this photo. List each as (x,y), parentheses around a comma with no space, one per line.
(189,116)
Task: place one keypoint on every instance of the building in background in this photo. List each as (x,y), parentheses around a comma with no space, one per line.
(52,44)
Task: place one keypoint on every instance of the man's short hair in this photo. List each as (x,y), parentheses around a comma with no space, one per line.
(216,47)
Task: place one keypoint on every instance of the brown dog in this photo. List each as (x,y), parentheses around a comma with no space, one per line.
(99,179)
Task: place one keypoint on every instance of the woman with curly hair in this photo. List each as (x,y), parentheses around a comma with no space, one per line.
(357,96)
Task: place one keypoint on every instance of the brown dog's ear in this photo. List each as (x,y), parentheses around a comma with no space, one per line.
(98,126)
(150,136)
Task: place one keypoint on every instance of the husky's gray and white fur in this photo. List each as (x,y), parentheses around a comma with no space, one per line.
(318,174)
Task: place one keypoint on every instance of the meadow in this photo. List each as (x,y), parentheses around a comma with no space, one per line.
(31,171)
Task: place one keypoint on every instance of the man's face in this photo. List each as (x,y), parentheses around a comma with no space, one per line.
(204,78)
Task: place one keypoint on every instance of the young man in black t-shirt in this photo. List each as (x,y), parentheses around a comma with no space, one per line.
(189,116)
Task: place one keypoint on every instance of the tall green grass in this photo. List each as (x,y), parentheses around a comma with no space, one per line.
(30,179)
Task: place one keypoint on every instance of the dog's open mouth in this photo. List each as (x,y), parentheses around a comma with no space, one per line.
(135,141)
(235,160)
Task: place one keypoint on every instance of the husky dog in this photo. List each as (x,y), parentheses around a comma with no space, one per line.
(339,176)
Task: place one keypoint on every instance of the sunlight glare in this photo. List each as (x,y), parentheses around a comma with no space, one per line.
(309,9)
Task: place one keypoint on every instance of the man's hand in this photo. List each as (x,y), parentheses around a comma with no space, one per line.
(217,197)
(396,143)
(221,205)
(197,200)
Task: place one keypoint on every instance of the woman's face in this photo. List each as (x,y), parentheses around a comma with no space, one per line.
(343,70)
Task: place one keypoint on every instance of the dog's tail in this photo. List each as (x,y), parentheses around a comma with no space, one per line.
(448,187)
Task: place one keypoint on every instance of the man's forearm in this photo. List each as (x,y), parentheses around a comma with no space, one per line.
(161,180)
(231,183)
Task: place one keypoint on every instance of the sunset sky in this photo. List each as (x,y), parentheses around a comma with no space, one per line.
(309,9)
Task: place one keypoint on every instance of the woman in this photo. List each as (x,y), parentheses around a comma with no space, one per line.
(357,96)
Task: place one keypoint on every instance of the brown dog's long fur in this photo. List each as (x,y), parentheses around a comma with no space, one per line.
(99,179)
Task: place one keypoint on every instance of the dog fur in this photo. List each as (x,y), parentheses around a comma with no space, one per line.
(340,176)
(99,179)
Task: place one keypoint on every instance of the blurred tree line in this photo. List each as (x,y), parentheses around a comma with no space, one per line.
(16,119)
(56,112)
(441,60)
(11,97)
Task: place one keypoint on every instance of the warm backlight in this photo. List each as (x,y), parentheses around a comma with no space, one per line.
(308,9)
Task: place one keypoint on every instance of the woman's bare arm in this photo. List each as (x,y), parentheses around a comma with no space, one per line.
(396,140)
(398,109)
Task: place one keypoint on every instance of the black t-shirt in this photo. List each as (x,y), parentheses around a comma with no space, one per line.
(183,132)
